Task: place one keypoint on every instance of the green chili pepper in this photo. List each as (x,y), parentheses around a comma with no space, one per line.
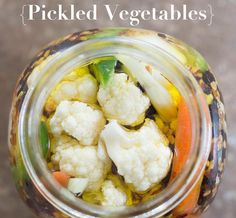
(44,139)
(103,69)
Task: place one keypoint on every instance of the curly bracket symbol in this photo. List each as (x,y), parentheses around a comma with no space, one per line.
(212,15)
(22,14)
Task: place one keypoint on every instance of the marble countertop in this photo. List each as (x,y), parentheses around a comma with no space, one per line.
(19,43)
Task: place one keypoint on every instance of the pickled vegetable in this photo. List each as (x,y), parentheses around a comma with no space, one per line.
(129,127)
(61,178)
(182,150)
(103,69)
(43,138)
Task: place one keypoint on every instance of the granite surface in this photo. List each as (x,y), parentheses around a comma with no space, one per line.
(19,43)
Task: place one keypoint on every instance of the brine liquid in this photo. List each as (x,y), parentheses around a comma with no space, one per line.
(167,127)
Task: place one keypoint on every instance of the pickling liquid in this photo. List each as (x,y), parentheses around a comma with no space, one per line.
(200,197)
(168,128)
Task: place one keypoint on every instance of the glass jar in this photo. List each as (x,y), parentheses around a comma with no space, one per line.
(190,193)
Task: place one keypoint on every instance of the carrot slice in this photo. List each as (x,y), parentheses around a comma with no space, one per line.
(189,203)
(182,150)
(182,139)
(61,177)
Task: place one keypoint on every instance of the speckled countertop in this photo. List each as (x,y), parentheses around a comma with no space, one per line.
(18,44)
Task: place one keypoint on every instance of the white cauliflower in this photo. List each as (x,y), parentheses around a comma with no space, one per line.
(122,100)
(156,87)
(142,156)
(112,195)
(62,141)
(82,89)
(78,120)
(79,161)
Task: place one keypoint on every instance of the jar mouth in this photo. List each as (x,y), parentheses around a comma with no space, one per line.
(50,72)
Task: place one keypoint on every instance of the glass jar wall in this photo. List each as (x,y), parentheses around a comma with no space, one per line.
(190,193)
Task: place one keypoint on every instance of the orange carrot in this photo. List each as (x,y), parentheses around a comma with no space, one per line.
(189,203)
(61,177)
(182,150)
(182,139)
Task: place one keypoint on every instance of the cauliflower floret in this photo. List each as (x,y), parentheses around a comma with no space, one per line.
(81,89)
(142,156)
(62,141)
(89,162)
(78,120)
(112,195)
(122,100)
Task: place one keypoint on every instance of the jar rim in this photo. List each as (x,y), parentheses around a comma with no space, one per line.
(85,51)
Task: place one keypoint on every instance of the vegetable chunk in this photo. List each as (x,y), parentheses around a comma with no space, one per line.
(83,88)
(80,161)
(142,156)
(123,101)
(77,185)
(78,120)
(103,70)
(155,87)
(61,177)
(112,195)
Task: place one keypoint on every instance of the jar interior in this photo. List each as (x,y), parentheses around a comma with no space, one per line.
(48,74)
